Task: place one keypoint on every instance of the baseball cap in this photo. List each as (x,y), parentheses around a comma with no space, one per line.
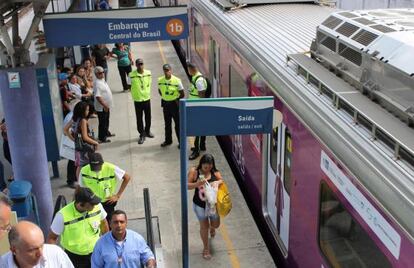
(63,76)
(85,195)
(99,69)
(166,67)
(96,161)
(139,61)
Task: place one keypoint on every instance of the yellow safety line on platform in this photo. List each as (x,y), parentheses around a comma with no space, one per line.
(235,263)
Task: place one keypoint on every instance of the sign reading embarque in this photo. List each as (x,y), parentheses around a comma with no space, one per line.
(116,26)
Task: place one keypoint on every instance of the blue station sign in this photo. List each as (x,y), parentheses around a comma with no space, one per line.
(116,26)
(229,116)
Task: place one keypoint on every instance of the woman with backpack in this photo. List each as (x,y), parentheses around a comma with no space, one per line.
(78,130)
(199,177)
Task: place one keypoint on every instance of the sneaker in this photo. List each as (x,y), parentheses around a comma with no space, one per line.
(202,148)
(73,185)
(141,139)
(164,144)
(149,135)
(194,155)
(111,134)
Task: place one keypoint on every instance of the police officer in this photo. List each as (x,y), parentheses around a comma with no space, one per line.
(198,89)
(79,225)
(141,81)
(103,179)
(171,90)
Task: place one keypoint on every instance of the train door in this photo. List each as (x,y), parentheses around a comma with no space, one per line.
(278,184)
(214,59)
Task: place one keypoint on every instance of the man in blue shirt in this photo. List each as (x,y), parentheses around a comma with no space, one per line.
(121,247)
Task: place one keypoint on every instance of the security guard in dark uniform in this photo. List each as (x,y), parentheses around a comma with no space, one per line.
(171,90)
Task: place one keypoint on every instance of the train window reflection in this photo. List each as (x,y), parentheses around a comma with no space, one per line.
(238,87)
(273,149)
(287,161)
(198,39)
(342,240)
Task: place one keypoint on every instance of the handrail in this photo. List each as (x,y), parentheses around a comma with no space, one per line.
(148,220)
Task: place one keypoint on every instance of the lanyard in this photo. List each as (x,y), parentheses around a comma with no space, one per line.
(119,253)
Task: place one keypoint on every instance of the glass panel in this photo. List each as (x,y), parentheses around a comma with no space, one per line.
(198,39)
(343,242)
(238,87)
(273,149)
(288,161)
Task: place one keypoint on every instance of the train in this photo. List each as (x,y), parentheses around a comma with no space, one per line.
(332,186)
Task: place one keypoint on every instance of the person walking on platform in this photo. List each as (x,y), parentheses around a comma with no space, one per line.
(103,104)
(28,249)
(141,82)
(124,56)
(122,247)
(206,171)
(103,179)
(198,89)
(171,91)
(79,225)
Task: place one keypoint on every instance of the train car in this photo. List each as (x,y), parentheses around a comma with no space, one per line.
(332,186)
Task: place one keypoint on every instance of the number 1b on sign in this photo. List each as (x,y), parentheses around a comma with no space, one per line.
(175,27)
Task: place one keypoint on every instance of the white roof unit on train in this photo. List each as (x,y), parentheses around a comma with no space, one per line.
(387,34)
(231,4)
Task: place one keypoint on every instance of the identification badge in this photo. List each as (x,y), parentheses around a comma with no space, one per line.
(107,192)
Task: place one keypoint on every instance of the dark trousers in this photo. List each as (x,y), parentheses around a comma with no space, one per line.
(71,172)
(199,143)
(170,109)
(103,128)
(109,208)
(140,108)
(123,73)
(6,151)
(80,261)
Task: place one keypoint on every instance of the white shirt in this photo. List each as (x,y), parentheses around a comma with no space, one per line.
(53,257)
(119,174)
(200,84)
(101,89)
(57,226)
(75,88)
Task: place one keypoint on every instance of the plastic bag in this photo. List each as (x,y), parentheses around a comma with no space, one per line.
(224,203)
(211,196)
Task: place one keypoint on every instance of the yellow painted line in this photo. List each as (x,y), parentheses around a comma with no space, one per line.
(235,263)
(161,52)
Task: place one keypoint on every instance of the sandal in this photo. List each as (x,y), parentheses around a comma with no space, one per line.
(206,254)
(212,232)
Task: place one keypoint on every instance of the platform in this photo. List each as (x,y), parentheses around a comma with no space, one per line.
(238,242)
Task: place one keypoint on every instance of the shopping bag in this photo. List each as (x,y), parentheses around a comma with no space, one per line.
(67,148)
(211,195)
(224,204)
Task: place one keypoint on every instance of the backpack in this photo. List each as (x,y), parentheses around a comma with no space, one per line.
(224,203)
(208,89)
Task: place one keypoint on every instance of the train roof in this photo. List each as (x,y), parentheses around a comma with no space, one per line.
(254,33)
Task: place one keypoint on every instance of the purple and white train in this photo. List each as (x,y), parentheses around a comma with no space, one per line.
(333,185)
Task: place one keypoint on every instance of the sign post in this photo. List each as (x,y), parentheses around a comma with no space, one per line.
(219,116)
(116,26)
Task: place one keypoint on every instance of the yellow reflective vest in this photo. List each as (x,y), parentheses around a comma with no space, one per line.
(81,231)
(141,85)
(193,89)
(169,88)
(103,183)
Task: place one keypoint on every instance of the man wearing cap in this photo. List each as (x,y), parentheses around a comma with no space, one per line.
(103,104)
(171,91)
(198,89)
(141,81)
(79,225)
(103,179)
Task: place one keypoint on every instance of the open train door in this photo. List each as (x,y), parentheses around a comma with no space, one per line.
(214,67)
(277,198)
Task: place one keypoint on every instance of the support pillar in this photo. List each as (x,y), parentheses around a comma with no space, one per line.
(26,138)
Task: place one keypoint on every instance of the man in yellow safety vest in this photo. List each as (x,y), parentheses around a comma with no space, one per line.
(103,178)
(171,91)
(79,225)
(141,81)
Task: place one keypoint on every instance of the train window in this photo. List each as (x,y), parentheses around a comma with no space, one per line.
(288,161)
(343,242)
(273,150)
(198,39)
(238,87)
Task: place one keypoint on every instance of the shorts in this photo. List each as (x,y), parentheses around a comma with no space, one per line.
(201,214)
